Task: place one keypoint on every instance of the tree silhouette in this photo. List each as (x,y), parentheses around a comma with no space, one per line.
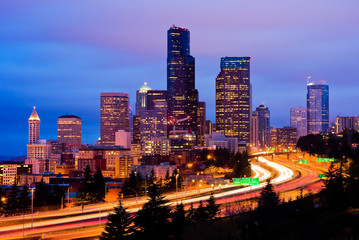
(212,208)
(12,202)
(119,225)
(152,218)
(179,220)
(268,200)
(24,199)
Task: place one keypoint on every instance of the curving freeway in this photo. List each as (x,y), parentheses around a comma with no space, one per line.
(287,177)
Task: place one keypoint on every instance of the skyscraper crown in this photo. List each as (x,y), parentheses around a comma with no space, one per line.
(145,88)
(34,115)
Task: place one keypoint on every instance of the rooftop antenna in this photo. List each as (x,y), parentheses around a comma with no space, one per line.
(308,79)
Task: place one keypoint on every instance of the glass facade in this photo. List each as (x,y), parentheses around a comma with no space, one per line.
(317,108)
(233,98)
(182,95)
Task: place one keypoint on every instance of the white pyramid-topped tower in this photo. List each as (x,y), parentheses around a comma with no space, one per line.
(34,127)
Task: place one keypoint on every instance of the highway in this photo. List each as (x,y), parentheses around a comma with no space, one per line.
(288,178)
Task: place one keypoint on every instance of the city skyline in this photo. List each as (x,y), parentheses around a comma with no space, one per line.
(41,66)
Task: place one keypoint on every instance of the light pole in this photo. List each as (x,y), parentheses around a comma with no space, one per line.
(32,207)
(135,193)
(68,195)
(176,188)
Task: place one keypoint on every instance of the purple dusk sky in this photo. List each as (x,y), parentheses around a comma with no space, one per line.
(59,55)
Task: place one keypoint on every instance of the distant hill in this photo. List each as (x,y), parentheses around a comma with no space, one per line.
(12,158)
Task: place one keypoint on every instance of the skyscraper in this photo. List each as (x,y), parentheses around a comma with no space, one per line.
(298,120)
(141,98)
(182,95)
(317,107)
(69,130)
(201,119)
(233,98)
(155,95)
(34,127)
(254,130)
(263,126)
(114,116)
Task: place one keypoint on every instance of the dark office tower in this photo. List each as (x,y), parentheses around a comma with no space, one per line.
(141,98)
(114,116)
(136,134)
(182,95)
(233,98)
(154,96)
(317,107)
(201,119)
(263,126)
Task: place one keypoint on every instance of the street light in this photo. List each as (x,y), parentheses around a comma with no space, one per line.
(176,188)
(134,192)
(32,207)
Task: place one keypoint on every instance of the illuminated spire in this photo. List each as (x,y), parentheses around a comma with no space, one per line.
(145,88)
(34,115)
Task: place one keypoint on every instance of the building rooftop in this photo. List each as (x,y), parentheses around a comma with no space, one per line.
(69,116)
(34,115)
(145,88)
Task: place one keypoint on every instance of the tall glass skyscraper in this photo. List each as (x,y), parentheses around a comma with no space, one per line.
(182,95)
(317,107)
(233,98)
(298,120)
(263,126)
(141,98)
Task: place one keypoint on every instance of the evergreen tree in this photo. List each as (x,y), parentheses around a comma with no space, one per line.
(190,213)
(119,224)
(212,208)
(268,200)
(133,183)
(24,199)
(99,184)
(173,180)
(200,214)
(242,167)
(41,195)
(2,201)
(12,202)
(87,192)
(179,220)
(334,193)
(152,218)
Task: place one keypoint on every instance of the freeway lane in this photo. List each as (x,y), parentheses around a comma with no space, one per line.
(283,176)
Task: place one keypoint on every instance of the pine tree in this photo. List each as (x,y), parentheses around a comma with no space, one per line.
(179,220)
(99,184)
(200,214)
(12,202)
(152,218)
(190,213)
(212,208)
(2,201)
(119,225)
(268,200)
(24,199)
(87,192)
(334,193)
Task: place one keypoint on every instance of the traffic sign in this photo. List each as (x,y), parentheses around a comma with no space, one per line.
(303,161)
(322,176)
(245,181)
(325,159)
